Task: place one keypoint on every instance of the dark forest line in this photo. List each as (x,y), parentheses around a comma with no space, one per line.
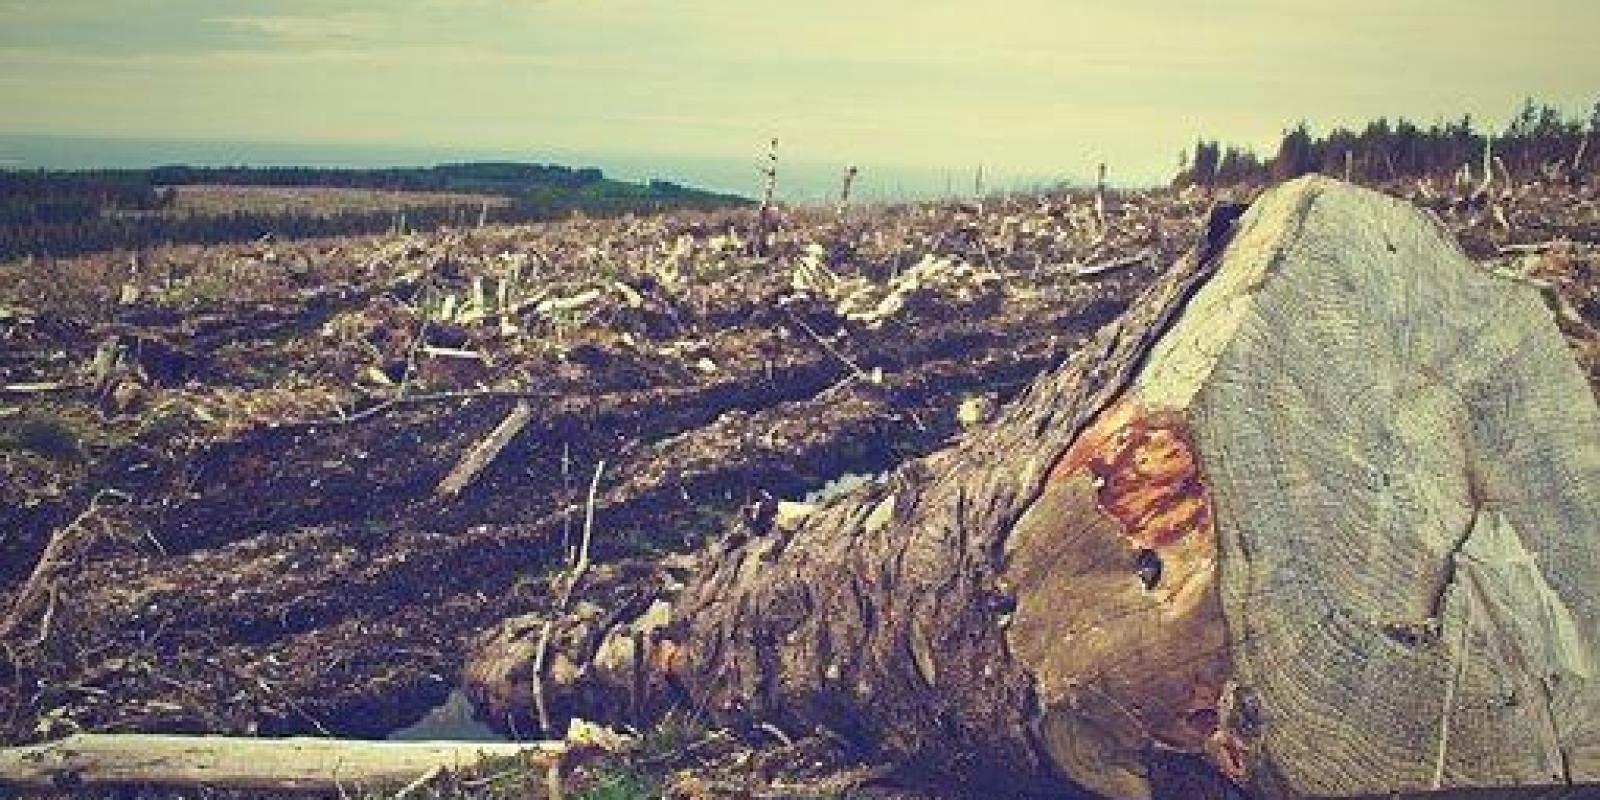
(1540,140)
(60,213)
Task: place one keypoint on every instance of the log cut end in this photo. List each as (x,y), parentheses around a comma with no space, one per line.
(1341,534)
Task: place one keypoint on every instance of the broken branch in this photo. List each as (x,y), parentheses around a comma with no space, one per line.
(481,455)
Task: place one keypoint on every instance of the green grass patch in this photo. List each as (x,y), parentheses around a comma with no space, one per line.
(620,783)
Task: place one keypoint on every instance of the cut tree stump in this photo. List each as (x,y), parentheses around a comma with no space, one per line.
(1319,516)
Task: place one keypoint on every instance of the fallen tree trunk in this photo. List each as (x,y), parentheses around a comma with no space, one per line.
(1317,517)
(218,762)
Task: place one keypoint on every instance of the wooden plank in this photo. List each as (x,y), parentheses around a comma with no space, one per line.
(297,764)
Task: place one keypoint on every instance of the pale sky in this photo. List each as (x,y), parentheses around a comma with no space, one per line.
(1026,88)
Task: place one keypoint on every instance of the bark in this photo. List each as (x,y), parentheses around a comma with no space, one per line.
(1315,517)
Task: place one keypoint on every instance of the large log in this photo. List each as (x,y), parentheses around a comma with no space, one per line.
(1319,516)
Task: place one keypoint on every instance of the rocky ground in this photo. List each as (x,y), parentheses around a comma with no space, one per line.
(245,489)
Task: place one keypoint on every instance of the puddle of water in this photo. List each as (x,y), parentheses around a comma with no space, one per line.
(456,720)
(842,485)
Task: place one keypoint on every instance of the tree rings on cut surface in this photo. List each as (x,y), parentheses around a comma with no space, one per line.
(1340,535)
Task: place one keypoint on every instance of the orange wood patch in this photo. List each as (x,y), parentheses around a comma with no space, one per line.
(1146,479)
(1146,474)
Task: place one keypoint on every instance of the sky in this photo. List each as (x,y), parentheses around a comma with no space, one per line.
(926,90)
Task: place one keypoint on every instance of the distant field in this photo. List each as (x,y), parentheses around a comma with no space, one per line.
(206,200)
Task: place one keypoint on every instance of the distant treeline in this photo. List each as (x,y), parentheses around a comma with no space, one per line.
(1539,140)
(69,212)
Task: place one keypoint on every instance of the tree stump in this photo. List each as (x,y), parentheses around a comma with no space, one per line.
(1319,516)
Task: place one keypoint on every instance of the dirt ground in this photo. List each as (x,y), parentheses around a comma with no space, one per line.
(238,450)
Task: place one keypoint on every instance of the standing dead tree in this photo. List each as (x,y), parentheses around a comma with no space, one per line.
(1274,529)
(1481,194)
(1102,227)
(850,173)
(764,214)
(1575,169)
